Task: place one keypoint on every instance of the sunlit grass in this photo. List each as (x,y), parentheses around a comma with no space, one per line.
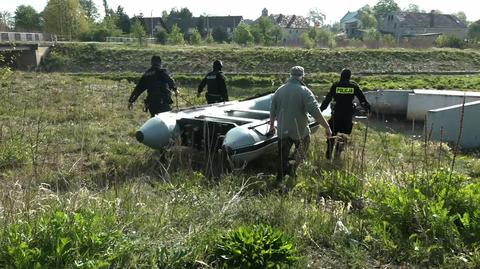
(67,149)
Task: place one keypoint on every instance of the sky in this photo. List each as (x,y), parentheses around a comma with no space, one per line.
(252,9)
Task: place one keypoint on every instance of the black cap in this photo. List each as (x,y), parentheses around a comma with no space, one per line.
(217,65)
(156,60)
(345,75)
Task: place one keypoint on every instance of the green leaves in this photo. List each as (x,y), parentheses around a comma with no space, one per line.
(259,246)
(59,239)
(427,219)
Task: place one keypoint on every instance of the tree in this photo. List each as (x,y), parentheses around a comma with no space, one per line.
(336,27)
(201,25)
(371,38)
(195,38)
(26,19)
(414,8)
(277,34)
(220,34)
(242,35)
(123,21)
(65,18)
(307,40)
(161,36)
(384,7)
(319,36)
(462,17)
(367,17)
(90,9)
(105,8)
(138,18)
(176,37)
(138,31)
(450,41)
(261,31)
(209,38)
(474,30)
(6,21)
(315,17)
(182,18)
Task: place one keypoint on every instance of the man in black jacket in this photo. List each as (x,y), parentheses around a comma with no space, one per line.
(216,87)
(159,86)
(342,93)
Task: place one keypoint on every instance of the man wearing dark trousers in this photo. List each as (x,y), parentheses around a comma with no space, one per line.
(159,86)
(216,86)
(342,92)
(291,104)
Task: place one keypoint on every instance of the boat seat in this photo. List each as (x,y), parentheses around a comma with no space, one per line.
(240,120)
(254,111)
(257,114)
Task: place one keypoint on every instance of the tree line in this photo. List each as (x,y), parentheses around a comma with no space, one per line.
(80,20)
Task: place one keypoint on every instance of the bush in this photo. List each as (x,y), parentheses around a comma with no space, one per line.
(257,247)
(161,36)
(426,220)
(13,153)
(64,240)
(448,41)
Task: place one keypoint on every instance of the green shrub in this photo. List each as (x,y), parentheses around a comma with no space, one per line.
(59,240)
(56,60)
(254,248)
(449,41)
(13,153)
(431,217)
(336,185)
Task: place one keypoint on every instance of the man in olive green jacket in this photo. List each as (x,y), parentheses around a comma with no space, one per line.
(291,104)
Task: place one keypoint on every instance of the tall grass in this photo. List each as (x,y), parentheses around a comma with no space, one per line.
(78,190)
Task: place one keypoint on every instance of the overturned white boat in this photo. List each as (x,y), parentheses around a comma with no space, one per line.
(238,127)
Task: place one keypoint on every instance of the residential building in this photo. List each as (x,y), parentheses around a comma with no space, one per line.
(292,27)
(413,24)
(352,24)
(210,23)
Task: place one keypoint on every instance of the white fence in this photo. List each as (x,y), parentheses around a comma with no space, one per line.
(128,39)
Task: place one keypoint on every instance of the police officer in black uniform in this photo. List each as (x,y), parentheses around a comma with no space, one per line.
(216,87)
(342,93)
(159,86)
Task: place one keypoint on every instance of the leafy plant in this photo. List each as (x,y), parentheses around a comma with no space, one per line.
(64,239)
(254,247)
(13,152)
(428,218)
(173,259)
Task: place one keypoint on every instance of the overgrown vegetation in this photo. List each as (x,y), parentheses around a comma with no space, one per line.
(105,58)
(79,191)
(256,247)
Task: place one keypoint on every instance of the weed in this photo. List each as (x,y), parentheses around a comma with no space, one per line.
(254,247)
(58,239)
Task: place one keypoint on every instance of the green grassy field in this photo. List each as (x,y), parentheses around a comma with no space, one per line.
(79,191)
(106,58)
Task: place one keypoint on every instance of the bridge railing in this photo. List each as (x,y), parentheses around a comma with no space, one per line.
(120,39)
(9,37)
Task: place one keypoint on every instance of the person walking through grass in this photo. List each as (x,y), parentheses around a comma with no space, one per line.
(291,104)
(159,86)
(216,86)
(342,93)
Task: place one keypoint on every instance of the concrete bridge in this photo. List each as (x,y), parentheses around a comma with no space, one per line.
(24,51)
(26,57)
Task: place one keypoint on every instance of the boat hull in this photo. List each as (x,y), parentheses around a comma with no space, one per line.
(238,127)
